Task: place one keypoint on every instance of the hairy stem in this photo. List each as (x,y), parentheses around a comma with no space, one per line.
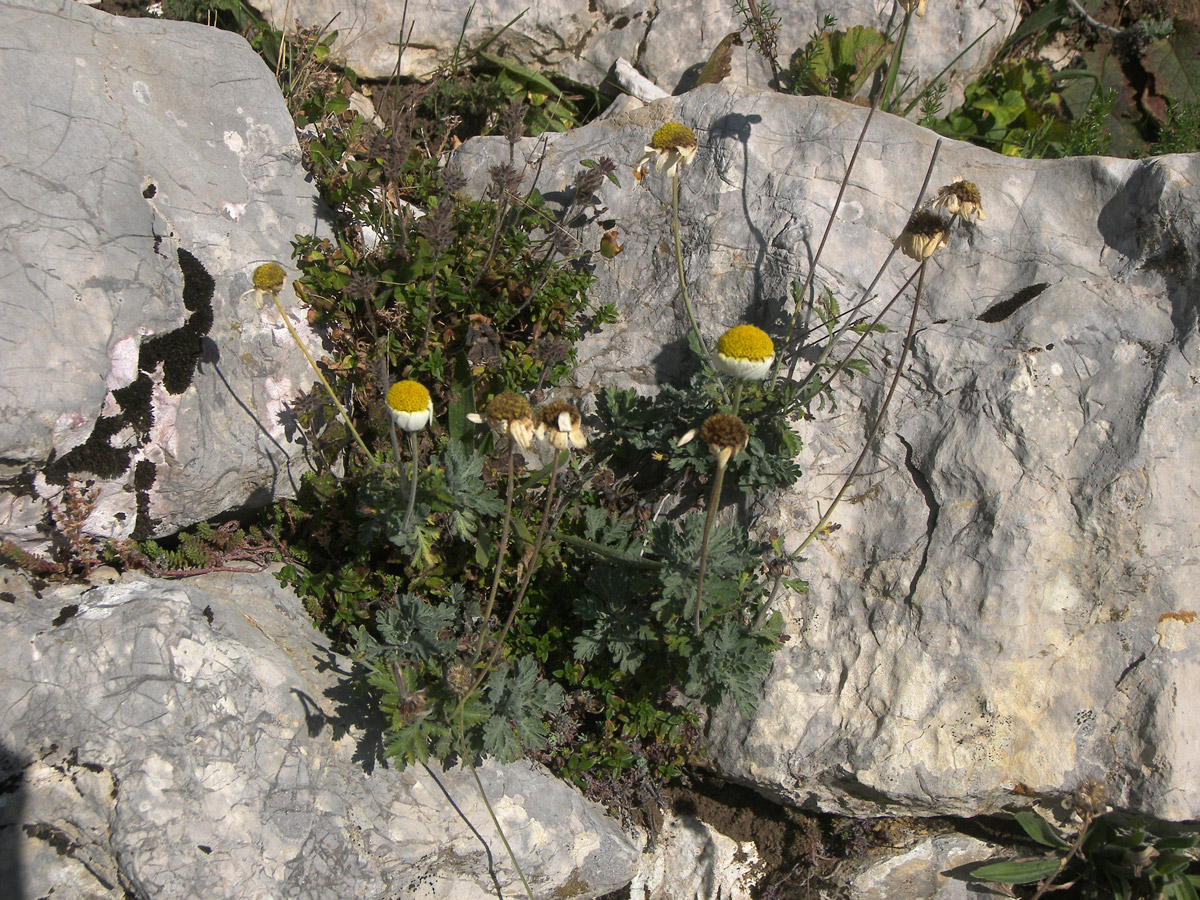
(329,390)
(687,303)
(412,484)
(504,530)
(714,501)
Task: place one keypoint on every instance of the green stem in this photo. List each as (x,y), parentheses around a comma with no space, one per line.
(412,484)
(432,298)
(737,396)
(521,590)
(329,390)
(687,303)
(894,65)
(714,501)
(500,831)
(504,530)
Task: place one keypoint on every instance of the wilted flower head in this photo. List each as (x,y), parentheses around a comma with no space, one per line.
(410,405)
(671,147)
(911,5)
(561,425)
(745,352)
(924,233)
(509,414)
(960,198)
(726,436)
(269,278)
(1089,799)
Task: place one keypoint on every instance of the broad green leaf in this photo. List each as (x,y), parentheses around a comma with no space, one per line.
(1175,64)
(1041,830)
(1016,871)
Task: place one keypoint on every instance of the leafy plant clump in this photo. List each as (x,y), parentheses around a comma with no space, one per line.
(1110,856)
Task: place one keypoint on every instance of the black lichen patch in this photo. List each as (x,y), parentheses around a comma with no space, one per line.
(134,401)
(149,191)
(998,312)
(62,844)
(65,613)
(144,474)
(179,352)
(208,614)
(204,848)
(96,455)
(8,597)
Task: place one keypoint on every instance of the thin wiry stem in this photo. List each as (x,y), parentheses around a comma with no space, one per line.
(329,390)
(687,303)
(912,327)
(787,341)
(504,530)
(714,501)
(866,294)
(500,831)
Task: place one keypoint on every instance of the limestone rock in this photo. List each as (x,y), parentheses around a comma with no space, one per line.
(691,860)
(934,868)
(667,42)
(147,172)
(197,739)
(1008,605)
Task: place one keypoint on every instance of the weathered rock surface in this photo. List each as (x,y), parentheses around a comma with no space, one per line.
(668,42)
(196,739)
(934,868)
(147,172)
(1008,604)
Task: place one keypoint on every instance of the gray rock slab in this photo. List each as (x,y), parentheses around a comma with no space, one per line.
(669,43)
(197,739)
(1008,603)
(933,868)
(149,167)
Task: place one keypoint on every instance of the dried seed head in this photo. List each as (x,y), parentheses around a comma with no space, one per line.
(960,198)
(673,136)
(269,278)
(438,227)
(512,121)
(460,678)
(925,232)
(561,425)
(508,407)
(1090,798)
(505,181)
(726,436)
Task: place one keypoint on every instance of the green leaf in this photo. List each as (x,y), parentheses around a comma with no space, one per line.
(1175,64)
(1041,830)
(1016,871)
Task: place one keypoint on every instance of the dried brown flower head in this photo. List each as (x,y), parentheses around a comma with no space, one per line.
(726,436)
(925,232)
(561,425)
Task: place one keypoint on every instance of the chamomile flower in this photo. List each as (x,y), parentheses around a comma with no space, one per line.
(410,405)
(561,425)
(268,280)
(917,6)
(745,352)
(510,415)
(671,147)
(959,198)
(925,232)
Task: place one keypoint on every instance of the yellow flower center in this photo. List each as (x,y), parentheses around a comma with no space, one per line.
(746,342)
(408,397)
(673,136)
(269,277)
